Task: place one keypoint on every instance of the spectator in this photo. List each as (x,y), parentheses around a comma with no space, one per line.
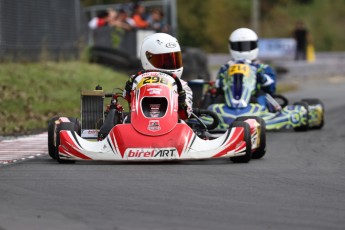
(112,14)
(138,17)
(100,20)
(124,21)
(301,36)
(112,18)
(156,21)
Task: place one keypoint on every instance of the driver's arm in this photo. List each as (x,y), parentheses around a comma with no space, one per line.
(185,106)
(128,88)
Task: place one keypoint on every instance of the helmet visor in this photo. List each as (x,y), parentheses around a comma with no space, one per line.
(243,46)
(166,60)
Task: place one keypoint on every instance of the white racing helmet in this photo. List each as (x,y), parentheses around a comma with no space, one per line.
(243,44)
(161,51)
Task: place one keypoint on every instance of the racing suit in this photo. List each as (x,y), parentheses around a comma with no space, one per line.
(266,79)
(185,98)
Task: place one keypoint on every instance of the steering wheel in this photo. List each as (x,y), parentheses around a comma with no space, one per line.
(203,112)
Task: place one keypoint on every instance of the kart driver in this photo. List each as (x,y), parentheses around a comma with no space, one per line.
(162,52)
(243,47)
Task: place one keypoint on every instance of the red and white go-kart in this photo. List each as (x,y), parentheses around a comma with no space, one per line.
(152,130)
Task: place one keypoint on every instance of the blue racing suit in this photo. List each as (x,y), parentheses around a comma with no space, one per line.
(266,79)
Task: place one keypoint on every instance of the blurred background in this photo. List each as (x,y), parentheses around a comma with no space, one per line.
(59,28)
(275,19)
(62,30)
(207,24)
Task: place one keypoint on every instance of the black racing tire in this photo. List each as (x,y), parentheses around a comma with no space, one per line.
(261,150)
(247,157)
(51,132)
(71,126)
(315,101)
(305,127)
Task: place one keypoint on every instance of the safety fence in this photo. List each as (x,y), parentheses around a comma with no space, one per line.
(40,29)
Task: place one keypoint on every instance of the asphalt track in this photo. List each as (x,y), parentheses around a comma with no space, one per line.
(300,184)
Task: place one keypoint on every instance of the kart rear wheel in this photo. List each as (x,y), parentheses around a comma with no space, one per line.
(248,155)
(305,127)
(261,150)
(71,126)
(315,101)
(51,142)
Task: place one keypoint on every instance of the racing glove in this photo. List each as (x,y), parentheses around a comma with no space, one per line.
(182,105)
(264,79)
(128,89)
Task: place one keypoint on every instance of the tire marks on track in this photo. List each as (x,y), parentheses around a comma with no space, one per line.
(22,148)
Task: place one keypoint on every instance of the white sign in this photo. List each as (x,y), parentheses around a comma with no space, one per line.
(280,48)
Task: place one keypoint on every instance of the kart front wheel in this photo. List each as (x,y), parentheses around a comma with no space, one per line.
(248,155)
(261,150)
(70,126)
(51,136)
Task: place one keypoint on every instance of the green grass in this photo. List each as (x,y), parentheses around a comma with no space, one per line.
(32,93)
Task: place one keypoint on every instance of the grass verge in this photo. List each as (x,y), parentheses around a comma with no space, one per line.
(32,93)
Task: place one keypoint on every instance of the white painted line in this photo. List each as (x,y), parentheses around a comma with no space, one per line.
(22,148)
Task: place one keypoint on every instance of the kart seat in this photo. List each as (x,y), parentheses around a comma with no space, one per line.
(154,106)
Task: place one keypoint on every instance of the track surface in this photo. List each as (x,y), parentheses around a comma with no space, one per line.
(300,184)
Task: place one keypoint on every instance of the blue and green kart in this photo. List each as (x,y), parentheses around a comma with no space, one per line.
(237,101)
